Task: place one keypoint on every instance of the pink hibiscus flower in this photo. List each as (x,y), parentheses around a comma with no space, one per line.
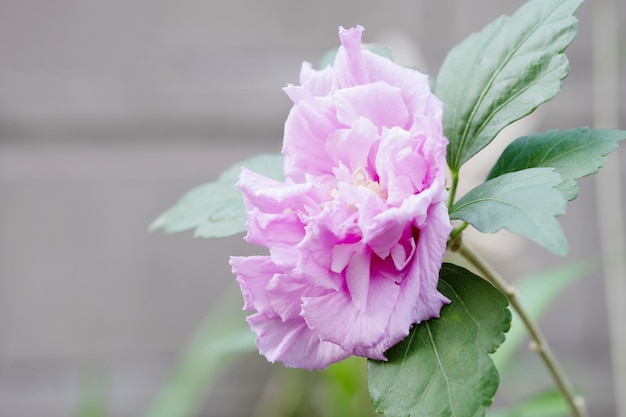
(357,231)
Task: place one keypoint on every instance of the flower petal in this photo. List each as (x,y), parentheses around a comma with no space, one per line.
(352,146)
(348,65)
(285,292)
(272,196)
(414,85)
(317,83)
(379,102)
(358,277)
(402,169)
(293,343)
(419,298)
(357,231)
(253,275)
(308,125)
(336,318)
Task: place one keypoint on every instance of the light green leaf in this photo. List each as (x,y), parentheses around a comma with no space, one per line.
(536,292)
(216,344)
(524,202)
(545,404)
(503,73)
(93,398)
(442,368)
(216,209)
(573,153)
(328,59)
(344,389)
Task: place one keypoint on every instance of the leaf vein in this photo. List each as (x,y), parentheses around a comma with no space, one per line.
(496,73)
(395,384)
(486,90)
(443,371)
(501,106)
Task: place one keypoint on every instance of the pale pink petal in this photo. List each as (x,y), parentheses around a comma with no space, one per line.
(430,249)
(433,151)
(317,83)
(308,125)
(380,103)
(358,277)
(387,269)
(286,291)
(361,197)
(419,298)
(356,233)
(402,253)
(269,195)
(270,229)
(380,230)
(284,256)
(336,319)
(401,167)
(414,209)
(319,238)
(297,93)
(352,146)
(414,85)
(254,274)
(383,235)
(383,295)
(293,343)
(348,66)
(342,255)
(316,257)
(361,331)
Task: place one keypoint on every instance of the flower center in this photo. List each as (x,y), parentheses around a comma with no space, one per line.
(361,179)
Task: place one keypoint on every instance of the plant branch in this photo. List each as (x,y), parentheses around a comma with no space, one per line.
(539,343)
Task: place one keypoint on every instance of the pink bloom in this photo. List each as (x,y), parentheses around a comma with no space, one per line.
(357,232)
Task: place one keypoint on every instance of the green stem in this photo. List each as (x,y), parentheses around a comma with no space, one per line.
(539,343)
(456,232)
(455,183)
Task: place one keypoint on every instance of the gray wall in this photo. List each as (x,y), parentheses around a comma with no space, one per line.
(110,110)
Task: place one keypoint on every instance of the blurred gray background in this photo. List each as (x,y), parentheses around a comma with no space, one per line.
(111,110)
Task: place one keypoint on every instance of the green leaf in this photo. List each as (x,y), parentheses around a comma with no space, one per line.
(216,209)
(573,153)
(442,368)
(536,292)
(328,59)
(524,202)
(216,344)
(503,73)
(344,389)
(545,404)
(93,398)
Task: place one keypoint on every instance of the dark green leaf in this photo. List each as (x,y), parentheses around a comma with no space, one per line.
(216,209)
(443,368)
(503,73)
(573,153)
(524,202)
